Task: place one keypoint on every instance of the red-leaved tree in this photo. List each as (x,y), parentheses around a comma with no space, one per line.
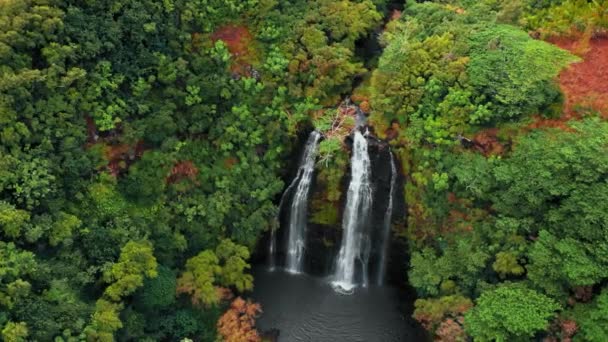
(238,323)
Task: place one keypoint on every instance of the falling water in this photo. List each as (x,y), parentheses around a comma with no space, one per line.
(355,246)
(272,244)
(296,238)
(386,233)
(271,249)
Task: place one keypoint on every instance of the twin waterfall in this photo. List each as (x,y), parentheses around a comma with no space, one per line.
(351,266)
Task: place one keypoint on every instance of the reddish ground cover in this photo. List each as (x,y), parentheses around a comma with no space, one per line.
(238,40)
(121,156)
(585,84)
(559,123)
(487,142)
(92,133)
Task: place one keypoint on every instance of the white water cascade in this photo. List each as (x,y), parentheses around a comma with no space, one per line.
(355,244)
(386,233)
(271,249)
(272,245)
(296,238)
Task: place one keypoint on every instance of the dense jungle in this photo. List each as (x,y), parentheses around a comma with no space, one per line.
(446,161)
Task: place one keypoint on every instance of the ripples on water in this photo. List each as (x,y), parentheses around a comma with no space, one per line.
(305,308)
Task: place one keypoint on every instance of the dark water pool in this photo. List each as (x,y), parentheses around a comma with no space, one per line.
(306,308)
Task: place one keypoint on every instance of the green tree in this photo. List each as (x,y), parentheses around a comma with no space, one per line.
(234,258)
(15,265)
(63,228)
(15,332)
(158,293)
(12,220)
(208,270)
(509,312)
(199,278)
(514,72)
(136,263)
(105,321)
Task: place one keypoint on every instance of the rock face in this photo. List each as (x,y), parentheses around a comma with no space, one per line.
(381,178)
(323,241)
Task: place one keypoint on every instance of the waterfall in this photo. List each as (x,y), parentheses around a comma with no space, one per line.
(355,245)
(296,239)
(386,233)
(272,245)
(271,249)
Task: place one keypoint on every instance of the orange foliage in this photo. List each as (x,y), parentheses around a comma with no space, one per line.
(238,323)
(181,170)
(460,216)
(223,293)
(396,14)
(419,220)
(451,330)
(230,162)
(362,101)
(568,328)
(438,313)
(562,330)
(393,131)
(365,106)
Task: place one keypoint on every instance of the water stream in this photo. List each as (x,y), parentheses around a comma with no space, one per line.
(355,245)
(296,238)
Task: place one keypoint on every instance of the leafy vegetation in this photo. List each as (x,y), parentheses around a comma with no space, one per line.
(144,145)
(508,314)
(501,215)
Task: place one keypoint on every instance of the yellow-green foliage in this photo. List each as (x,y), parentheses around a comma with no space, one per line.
(226,266)
(105,321)
(199,278)
(136,262)
(12,220)
(329,178)
(506,263)
(233,259)
(15,332)
(322,63)
(569,17)
(405,67)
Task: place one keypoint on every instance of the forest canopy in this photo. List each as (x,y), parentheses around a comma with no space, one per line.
(144,146)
